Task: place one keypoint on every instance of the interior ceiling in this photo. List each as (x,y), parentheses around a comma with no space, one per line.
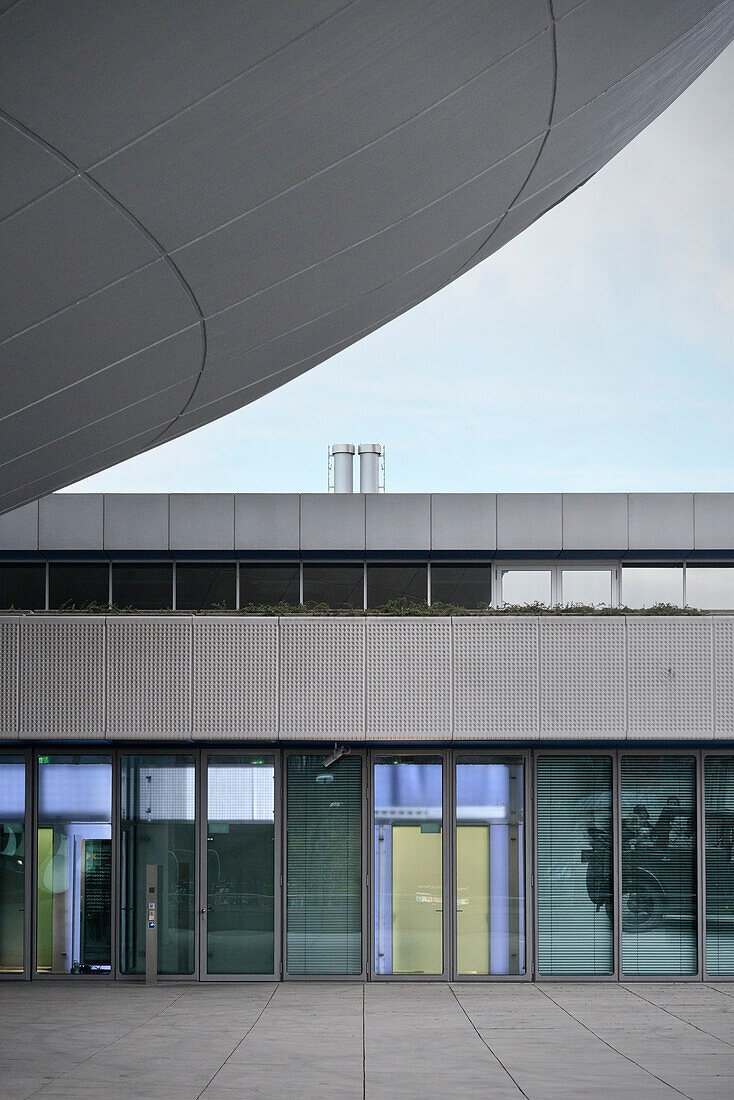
(202,200)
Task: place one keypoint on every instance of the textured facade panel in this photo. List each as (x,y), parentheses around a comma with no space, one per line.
(724,677)
(322,679)
(235,678)
(62,678)
(149,678)
(9,678)
(669,669)
(408,678)
(582,678)
(495,678)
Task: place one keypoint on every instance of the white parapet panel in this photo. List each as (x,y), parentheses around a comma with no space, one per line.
(149,678)
(235,678)
(61,664)
(408,679)
(670,677)
(322,680)
(474,678)
(495,677)
(582,681)
(9,631)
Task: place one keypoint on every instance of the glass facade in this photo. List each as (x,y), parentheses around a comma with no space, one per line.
(157,828)
(74,865)
(574,858)
(142,586)
(240,865)
(461,585)
(324,865)
(265,585)
(645,586)
(253,884)
(12,864)
(592,587)
(396,582)
(408,873)
(334,585)
(75,585)
(23,586)
(490,865)
(659,923)
(203,587)
(523,586)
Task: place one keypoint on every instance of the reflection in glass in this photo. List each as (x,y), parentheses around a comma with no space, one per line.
(408,865)
(335,585)
(73,908)
(324,866)
(719,803)
(157,827)
(710,588)
(240,855)
(77,584)
(644,586)
(587,586)
(521,586)
(142,586)
(12,863)
(490,883)
(201,586)
(574,854)
(23,586)
(396,582)
(659,933)
(265,585)
(461,585)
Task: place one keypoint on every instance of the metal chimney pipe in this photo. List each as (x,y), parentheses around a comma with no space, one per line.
(369,467)
(343,458)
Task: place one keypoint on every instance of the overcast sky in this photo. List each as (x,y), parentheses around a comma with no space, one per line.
(594,352)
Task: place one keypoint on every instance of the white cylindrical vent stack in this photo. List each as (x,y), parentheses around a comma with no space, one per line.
(342,455)
(369,467)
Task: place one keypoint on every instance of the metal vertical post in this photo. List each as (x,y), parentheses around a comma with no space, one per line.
(151,923)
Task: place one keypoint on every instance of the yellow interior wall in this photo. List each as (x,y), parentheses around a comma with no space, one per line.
(417,905)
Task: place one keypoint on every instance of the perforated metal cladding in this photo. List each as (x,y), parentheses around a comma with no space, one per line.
(582,678)
(724,676)
(408,678)
(495,677)
(236,678)
(322,679)
(9,678)
(62,678)
(149,678)
(669,677)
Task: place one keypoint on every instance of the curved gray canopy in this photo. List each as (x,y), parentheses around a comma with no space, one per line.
(201,200)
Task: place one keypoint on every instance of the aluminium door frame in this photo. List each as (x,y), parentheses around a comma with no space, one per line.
(614,974)
(446,855)
(664,752)
(499,754)
(311,748)
(8,749)
(228,750)
(186,748)
(703,904)
(61,748)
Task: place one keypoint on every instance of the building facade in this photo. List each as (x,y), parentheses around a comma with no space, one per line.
(467,793)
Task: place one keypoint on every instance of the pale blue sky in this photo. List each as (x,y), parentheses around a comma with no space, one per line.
(594,352)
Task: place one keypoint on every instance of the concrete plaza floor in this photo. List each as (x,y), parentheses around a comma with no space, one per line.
(223,1041)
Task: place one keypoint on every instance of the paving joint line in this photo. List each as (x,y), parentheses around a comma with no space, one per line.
(237,1046)
(621,1053)
(486,1044)
(682,1019)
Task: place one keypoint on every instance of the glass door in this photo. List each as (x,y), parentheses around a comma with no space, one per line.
(12,865)
(408,871)
(489,861)
(240,902)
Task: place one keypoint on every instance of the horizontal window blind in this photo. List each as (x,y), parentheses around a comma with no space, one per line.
(575,933)
(719,804)
(659,933)
(324,866)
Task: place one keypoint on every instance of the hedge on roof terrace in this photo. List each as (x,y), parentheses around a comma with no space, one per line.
(395,608)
